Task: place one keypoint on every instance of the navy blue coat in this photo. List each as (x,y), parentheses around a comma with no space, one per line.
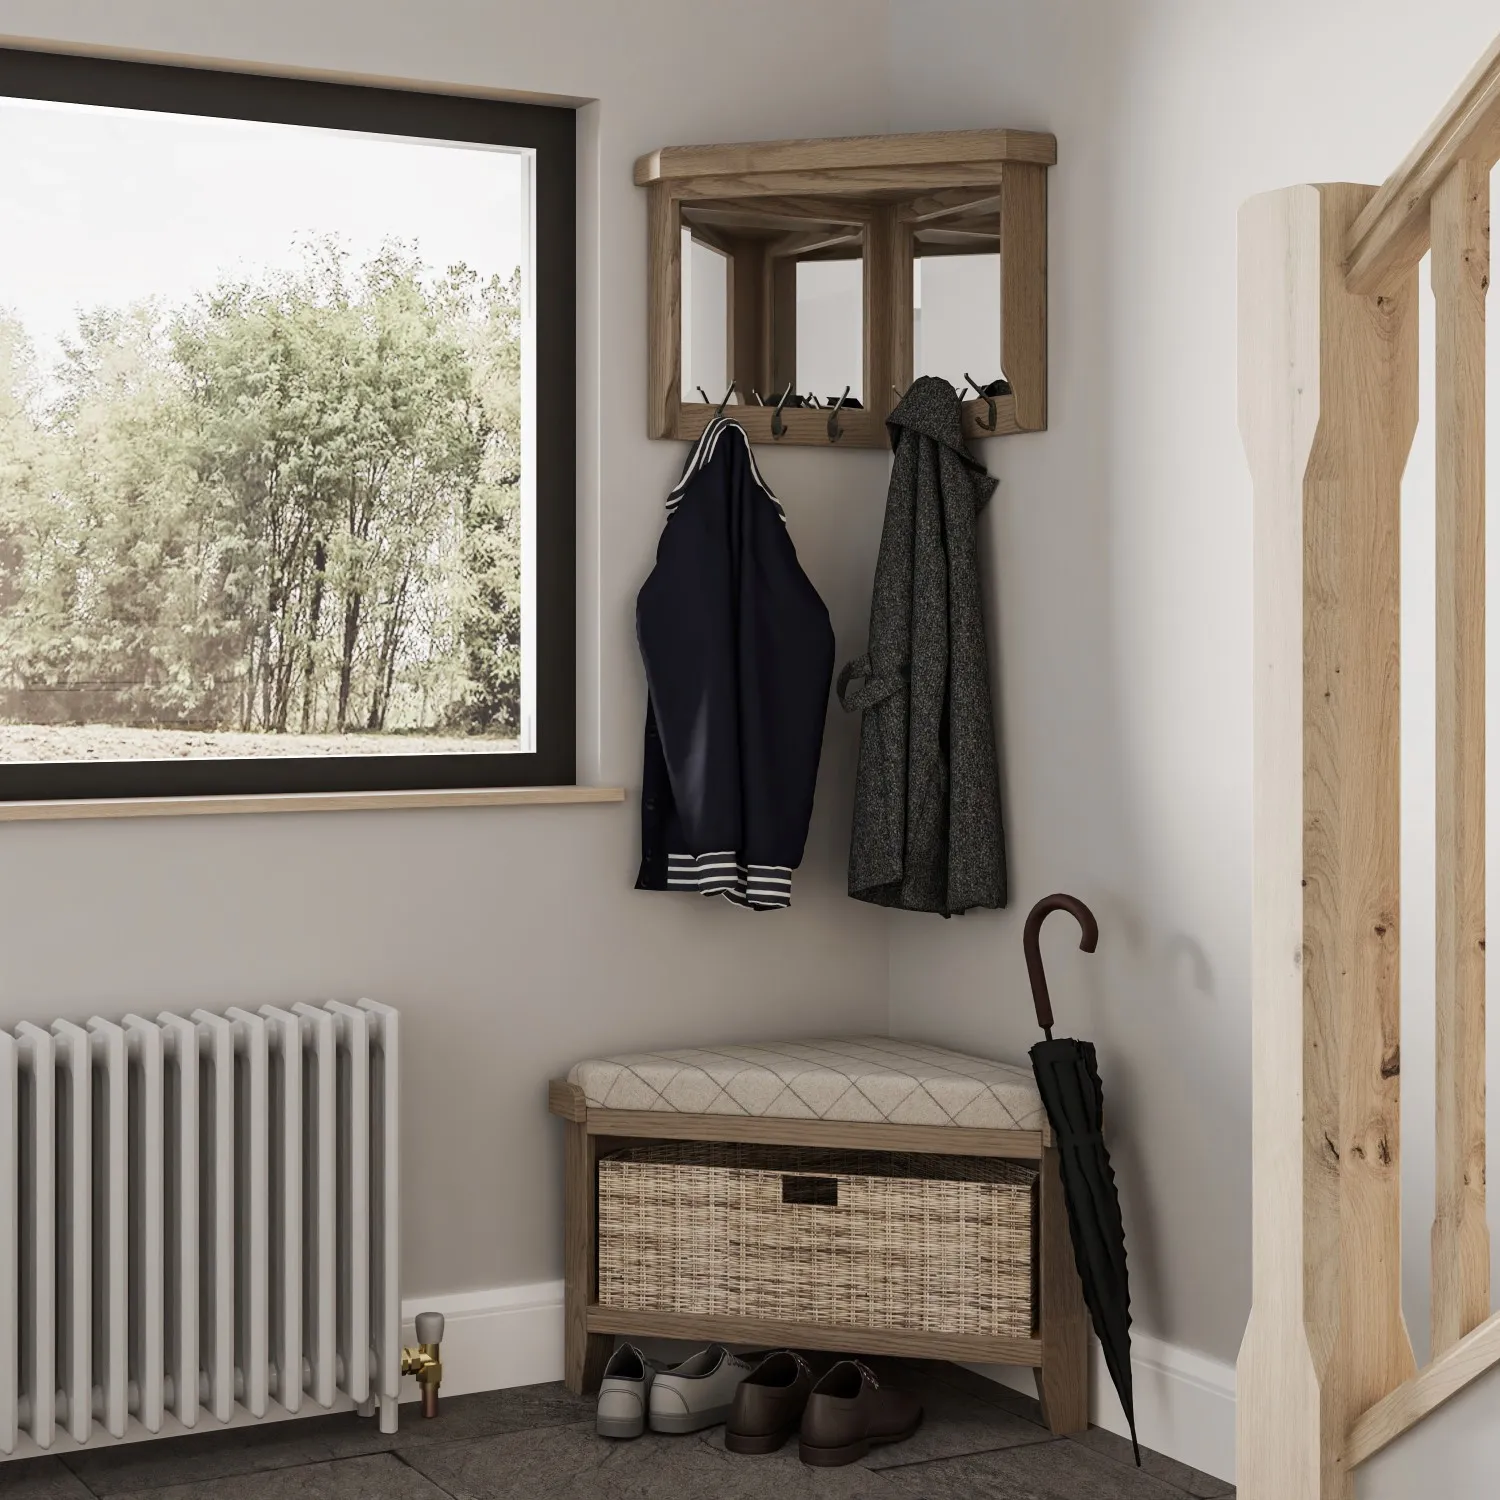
(739,660)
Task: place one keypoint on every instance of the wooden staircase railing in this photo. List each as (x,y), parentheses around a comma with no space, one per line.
(1328,403)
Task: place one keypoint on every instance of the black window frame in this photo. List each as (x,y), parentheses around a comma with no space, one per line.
(550,132)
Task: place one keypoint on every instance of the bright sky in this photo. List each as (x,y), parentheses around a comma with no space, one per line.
(107,206)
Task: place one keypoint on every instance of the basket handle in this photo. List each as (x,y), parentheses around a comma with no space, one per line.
(819,1192)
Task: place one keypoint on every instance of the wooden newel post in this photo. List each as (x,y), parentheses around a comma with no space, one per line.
(1328,407)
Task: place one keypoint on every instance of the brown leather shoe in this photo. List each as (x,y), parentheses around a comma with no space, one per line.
(849,1412)
(768,1404)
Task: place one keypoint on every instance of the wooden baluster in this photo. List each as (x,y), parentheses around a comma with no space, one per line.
(1460,279)
(1328,407)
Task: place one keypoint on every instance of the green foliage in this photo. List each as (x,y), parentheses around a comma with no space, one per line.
(291,506)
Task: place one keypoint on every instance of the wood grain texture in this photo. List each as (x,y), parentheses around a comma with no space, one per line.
(806,426)
(1062,1378)
(844,1135)
(1328,402)
(888,299)
(932,208)
(1391,234)
(749,359)
(1449,1373)
(711,235)
(1460,282)
(1023,292)
(305,802)
(663,311)
(845,239)
(585,1350)
(781,331)
(903,1343)
(856,151)
(567,1100)
(768,217)
(976,416)
(857,183)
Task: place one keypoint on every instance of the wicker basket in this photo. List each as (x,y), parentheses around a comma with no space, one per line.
(942,1244)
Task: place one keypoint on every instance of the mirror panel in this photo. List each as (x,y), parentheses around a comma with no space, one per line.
(830,346)
(956,328)
(956,286)
(772,294)
(705,319)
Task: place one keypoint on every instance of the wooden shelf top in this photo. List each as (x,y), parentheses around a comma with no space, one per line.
(842,153)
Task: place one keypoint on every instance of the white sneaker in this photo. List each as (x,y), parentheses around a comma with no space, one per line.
(624,1392)
(697,1393)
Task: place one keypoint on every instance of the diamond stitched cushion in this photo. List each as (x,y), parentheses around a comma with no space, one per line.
(875,1079)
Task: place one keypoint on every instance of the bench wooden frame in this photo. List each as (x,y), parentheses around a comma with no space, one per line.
(1058,1355)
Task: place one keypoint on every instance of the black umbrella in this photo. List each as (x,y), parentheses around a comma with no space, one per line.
(1067,1074)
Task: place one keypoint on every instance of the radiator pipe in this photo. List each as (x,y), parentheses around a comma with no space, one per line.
(425,1360)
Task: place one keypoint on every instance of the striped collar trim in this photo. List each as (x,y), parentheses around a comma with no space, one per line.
(703,450)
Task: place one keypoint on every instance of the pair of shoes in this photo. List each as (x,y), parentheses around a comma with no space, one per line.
(841,1417)
(688,1397)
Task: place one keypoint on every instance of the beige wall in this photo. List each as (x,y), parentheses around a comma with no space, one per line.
(510,938)
(1119,553)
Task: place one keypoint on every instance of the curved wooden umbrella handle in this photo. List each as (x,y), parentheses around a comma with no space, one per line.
(1031,941)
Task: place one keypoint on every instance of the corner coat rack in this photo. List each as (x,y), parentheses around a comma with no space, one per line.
(885,199)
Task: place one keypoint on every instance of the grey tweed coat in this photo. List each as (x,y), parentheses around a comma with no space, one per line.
(928,834)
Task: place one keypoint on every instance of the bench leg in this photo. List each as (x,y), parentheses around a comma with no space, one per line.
(1062,1381)
(584,1354)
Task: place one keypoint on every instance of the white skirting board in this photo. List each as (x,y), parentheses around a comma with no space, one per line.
(513,1335)
(503,1336)
(1184,1402)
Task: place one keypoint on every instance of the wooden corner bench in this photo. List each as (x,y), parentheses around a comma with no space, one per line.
(1058,1352)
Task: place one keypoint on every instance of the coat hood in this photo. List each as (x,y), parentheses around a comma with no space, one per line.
(931,407)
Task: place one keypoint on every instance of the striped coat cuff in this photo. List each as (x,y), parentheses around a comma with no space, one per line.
(724,873)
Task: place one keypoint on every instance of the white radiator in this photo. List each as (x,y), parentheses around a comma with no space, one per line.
(198,1222)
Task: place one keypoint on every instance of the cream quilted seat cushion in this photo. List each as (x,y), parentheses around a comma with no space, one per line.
(871,1078)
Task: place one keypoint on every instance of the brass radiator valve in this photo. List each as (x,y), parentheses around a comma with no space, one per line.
(425,1361)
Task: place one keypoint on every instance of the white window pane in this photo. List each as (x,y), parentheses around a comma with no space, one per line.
(265,439)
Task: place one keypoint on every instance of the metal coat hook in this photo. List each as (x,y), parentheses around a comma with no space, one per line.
(978,391)
(778,427)
(708,400)
(835,432)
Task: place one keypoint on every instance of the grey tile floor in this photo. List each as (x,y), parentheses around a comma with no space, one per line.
(978,1442)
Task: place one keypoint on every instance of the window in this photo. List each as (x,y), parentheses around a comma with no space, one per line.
(286,435)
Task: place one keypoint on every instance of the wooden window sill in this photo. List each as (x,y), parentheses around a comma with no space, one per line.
(303,802)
